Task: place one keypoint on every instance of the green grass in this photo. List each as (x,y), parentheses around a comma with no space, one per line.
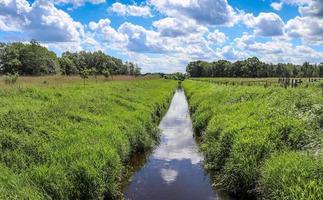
(292,176)
(255,81)
(253,137)
(73,141)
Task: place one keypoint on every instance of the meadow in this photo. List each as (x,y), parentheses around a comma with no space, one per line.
(61,80)
(266,82)
(260,141)
(60,139)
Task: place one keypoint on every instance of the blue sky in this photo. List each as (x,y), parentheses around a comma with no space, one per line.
(164,35)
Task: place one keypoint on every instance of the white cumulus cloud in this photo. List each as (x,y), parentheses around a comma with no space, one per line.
(209,12)
(131,10)
(174,27)
(77,3)
(41,21)
(265,24)
(217,37)
(277,5)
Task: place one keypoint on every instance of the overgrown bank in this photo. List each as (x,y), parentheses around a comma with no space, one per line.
(263,142)
(71,142)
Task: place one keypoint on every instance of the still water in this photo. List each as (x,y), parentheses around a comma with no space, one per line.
(174,169)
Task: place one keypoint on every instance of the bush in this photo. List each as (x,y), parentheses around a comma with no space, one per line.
(11,79)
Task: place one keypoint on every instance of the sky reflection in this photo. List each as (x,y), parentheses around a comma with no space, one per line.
(173,170)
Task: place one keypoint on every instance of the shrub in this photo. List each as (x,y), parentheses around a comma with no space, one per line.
(84,74)
(11,79)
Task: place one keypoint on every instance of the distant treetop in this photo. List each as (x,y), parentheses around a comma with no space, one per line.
(252,67)
(34,59)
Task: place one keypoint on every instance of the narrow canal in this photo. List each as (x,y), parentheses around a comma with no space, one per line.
(174,169)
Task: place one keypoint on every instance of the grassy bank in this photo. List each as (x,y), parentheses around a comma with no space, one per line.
(263,142)
(266,82)
(72,141)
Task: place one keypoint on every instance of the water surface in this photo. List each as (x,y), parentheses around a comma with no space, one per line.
(174,169)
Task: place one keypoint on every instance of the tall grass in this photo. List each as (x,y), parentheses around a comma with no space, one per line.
(253,137)
(266,82)
(72,142)
(61,80)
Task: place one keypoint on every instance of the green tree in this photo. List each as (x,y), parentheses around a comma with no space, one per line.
(85,74)
(68,66)
(195,69)
(9,58)
(320,69)
(106,73)
(251,67)
(137,70)
(37,60)
(11,79)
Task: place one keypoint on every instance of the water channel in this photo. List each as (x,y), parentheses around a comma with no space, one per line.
(174,169)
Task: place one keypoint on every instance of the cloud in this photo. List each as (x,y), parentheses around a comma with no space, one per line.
(297,2)
(169,175)
(268,51)
(77,3)
(130,10)
(13,14)
(265,24)
(41,21)
(309,29)
(314,9)
(167,39)
(160,63)
(105,33)
(308,26)
(244,41)
(44,17)
(277,6)
(103,23)
(217,37)
(270,47)
(230,53)
(174,27)
(141,40)
(209,12)
(288,53)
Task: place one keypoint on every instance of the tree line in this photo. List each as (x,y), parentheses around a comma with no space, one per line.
(36,60)
(252,67)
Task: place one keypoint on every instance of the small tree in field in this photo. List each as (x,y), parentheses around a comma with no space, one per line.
(11,78)
(84,74)
(106,73)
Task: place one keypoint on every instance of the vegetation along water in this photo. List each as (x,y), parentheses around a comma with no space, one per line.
(258,141)
(73,141)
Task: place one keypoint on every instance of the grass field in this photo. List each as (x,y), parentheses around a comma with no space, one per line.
(263,142)
(61,80)
(255,81)
(70,141)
